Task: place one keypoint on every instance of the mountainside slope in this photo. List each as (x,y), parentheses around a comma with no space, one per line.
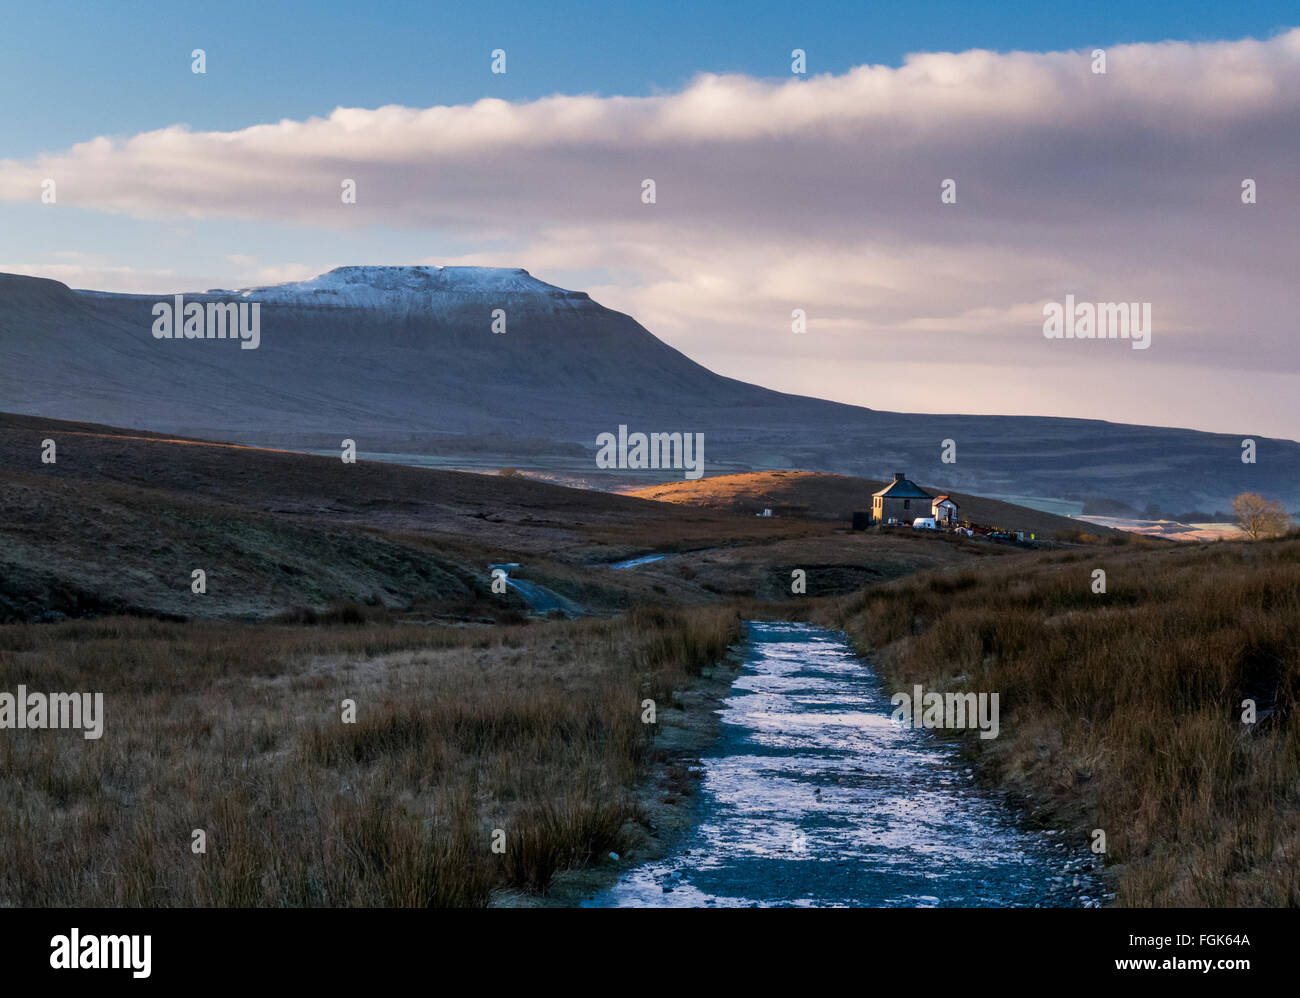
(120,520)
(390,356)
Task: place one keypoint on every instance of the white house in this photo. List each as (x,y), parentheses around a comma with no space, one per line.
(944,511)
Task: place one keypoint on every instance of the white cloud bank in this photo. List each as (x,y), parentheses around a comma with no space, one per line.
(823,194)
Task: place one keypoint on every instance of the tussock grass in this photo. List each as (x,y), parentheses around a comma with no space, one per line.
(1123,711)
(236,729)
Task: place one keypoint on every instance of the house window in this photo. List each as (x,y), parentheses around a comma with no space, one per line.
(907,504)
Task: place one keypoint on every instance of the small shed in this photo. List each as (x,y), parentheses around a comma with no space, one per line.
(944,511)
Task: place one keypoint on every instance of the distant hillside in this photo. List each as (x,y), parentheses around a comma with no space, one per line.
(120,520)
(403,359)
(813,494)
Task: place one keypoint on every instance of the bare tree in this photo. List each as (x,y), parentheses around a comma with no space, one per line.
(1260,517)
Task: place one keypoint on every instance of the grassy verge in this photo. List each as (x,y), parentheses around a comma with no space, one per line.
(1122,711)
(236,730)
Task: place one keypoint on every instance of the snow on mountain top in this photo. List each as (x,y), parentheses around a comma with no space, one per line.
(387,286)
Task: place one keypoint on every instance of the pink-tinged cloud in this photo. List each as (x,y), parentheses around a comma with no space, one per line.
(823,194)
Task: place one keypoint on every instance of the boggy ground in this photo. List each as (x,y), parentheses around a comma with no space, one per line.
(236,729)
(369,582)
(1123,711)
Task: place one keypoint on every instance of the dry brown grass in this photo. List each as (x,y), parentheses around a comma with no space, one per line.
(236,729)
(1123,711)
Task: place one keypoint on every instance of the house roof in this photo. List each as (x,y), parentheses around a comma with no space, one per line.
(945,499)
(902,488)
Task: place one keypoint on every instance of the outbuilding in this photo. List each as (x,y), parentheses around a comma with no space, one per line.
(944,511)
(901,500)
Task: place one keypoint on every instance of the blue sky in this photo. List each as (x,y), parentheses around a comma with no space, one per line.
(70,71)
(776,192)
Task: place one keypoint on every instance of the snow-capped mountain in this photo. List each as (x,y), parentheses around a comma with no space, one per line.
(394,357)
(407,288)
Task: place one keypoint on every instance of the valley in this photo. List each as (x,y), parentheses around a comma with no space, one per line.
(516,713)
(403,360)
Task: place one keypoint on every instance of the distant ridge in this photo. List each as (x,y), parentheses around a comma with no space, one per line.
(392,356)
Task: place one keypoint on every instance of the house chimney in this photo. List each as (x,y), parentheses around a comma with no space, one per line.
(898,476)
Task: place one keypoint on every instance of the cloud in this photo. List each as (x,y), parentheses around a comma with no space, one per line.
(90,272)
(727,146)
(93,276)
(823,194)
